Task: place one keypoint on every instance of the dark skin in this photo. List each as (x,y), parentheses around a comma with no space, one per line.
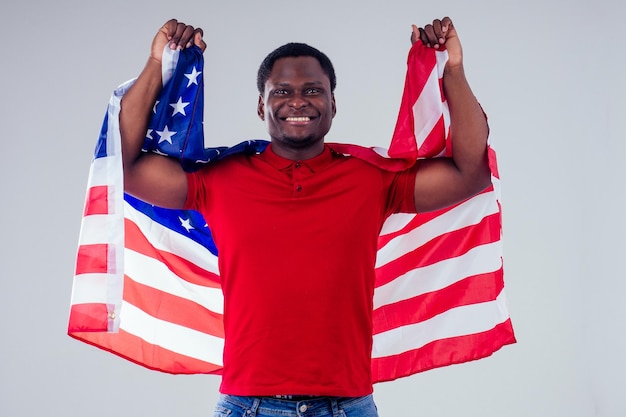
(297,107)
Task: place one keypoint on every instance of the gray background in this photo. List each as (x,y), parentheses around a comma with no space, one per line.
(550,74)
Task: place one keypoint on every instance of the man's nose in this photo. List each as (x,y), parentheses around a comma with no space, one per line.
(297,101)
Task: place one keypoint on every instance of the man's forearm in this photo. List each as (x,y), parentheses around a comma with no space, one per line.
(136,107)
(469,129)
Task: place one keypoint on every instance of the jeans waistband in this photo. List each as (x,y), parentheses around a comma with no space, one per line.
(296,406)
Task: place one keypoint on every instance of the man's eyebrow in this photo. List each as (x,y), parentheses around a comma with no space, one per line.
(306,84)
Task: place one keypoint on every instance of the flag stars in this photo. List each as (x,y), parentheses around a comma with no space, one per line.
(155,106)
(186,223)
(193,76)
(179,107)
(165,135)
(149,133)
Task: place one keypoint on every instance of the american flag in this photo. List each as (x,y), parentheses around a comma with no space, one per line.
(147,287)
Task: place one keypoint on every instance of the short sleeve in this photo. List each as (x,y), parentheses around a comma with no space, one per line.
(195,191)
(401,195)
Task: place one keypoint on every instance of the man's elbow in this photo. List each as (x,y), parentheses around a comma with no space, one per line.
(481,179)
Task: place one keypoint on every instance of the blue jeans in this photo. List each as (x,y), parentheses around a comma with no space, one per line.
(235,406)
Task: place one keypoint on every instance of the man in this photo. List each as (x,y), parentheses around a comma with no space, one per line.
(298,283)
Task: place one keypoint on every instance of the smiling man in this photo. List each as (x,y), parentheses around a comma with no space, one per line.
(296,100)
(298,276)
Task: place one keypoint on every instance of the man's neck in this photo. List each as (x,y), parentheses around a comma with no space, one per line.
(298,154)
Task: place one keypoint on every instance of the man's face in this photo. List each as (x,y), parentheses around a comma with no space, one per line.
(297,105)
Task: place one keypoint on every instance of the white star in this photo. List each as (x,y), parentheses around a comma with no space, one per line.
(193,76)
(155,106)
(179,107)
(149,133)
(186,223)
(165,135)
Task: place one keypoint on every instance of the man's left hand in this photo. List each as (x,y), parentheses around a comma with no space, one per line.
(441,32)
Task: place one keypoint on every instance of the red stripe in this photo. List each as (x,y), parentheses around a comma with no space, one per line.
(91,317)
(97,200)
(471,290)
(92,259)
(172,308)
(443,352)
(137,350)
(183,268)
(445,246)
(493,164)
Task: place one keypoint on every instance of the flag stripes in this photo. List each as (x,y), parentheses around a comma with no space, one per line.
(463,216)
(468,319)
(181,267)
(470,290)
(173,308)
(442,352)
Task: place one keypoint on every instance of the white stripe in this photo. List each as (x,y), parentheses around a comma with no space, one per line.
(384,152)
(104,171)
(427,108)
(441,57)
(97,228)
(169,60)
(478,260)
(90,288)
(171,241)
(396,222)
(176,338)
(460,321)
(468,213)
(149,271)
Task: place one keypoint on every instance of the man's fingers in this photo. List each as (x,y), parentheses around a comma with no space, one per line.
(197,39)
(446,24)
(438,32)
(176,37)
(183,36)
(169,28)
(435,34)
(428,36)
(415,34)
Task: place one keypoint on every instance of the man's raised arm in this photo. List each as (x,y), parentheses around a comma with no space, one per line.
(154,178)
(441,182)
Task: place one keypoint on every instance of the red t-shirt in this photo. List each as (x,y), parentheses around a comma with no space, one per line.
(297,248)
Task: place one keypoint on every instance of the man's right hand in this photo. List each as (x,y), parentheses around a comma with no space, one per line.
(177,35)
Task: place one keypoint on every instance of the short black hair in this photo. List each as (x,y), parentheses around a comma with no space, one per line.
(292,50)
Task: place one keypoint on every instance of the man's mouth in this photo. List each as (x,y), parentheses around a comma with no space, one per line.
(298,119)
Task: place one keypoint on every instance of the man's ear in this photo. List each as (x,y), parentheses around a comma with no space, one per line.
(260,108)
(334,105)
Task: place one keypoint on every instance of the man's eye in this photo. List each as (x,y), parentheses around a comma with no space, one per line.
(312,91)
(280,92)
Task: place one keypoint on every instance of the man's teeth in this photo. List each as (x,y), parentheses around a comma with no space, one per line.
(298,119)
